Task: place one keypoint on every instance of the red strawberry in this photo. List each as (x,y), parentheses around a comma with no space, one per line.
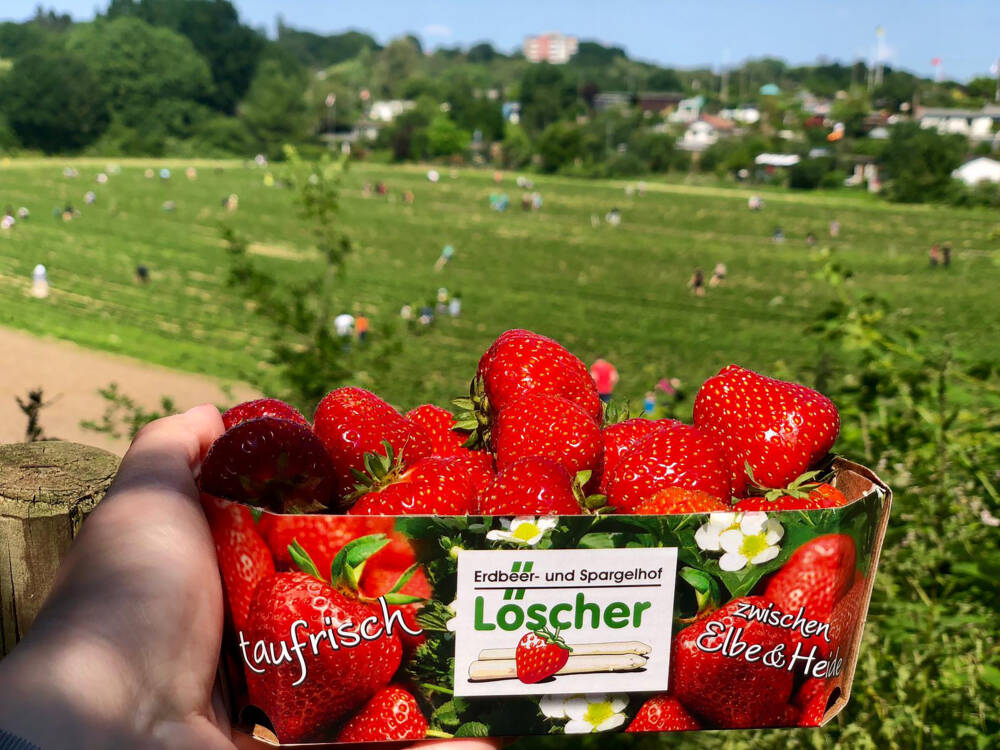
(322,536)
(541,424)
(392,714)
(780,429)
(338,680)
(377,580)
(436,485)
(521,362)
(438,423)
(846,616)
(619,438)
(539,655)
(479,467)
(806,497)
(663,713)
(262,407)
(815,577)
(244,558)
(270,463)
(730,691)
(812,699)
(673,500)
(352,422)
(531,486)
(676,455)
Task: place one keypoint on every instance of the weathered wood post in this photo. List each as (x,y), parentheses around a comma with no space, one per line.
(46,490)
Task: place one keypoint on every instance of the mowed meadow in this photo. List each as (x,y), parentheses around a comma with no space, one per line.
(614,292)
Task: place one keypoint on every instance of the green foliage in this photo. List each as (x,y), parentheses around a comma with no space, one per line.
(321,51)
(394,65)
(920,162)
(52,101)
(809,174)
(558,146)
(275,109)
(122,416)
(445,138)
(547,96)
(151,78)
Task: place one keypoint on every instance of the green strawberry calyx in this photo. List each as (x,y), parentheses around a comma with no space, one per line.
(552,637)
(596,503)
(474,416)
(706,592)
(381,470)
(799,488)
(349,565)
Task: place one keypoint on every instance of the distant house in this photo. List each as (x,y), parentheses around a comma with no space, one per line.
(722,125)
(552,47)
(688,110)
(511,112)
(647,101)
(776,160)
(389,109)
(606,100)
(743,115)
(978,170)
(699,136)
(770,89)
(975,124)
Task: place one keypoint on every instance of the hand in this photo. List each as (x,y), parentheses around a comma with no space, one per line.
(125,651)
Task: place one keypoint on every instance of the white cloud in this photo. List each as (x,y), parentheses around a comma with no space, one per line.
(437,29)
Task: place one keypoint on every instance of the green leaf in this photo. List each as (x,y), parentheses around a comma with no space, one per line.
(446,715)
(991,676)
(349,562)
(400,599)
(404,579)
(473,729)
(302,559)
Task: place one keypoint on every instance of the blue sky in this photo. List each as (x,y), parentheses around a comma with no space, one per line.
(965,34)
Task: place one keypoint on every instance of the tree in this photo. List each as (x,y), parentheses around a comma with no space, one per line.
(52,101)
(318,51)
(395,64)
(982,87)
(445,138)
(547,95)
(231,49)
(150,77)
(481,53)
(664,79)
(559,145)
(275,109)
(920,162)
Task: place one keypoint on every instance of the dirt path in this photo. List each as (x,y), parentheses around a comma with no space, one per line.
(70,377)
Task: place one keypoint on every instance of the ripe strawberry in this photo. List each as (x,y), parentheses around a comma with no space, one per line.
(531,486)
(438,423)
(322,536)
(244,558)
(521,362)
(338,680)
(377,581)
(730,691)
(392,714)
(676,455)
(812,699)
(846,615)
(541,424)
(619,438)
(270,463)
(539,655)
(804,497)
(663,713)
(815,577)
(352,422)
(780,429)
(436,485)
(673,500)
(262,407)
(478,466)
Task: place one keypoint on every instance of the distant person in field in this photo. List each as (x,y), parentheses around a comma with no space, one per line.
(629,191)
(834,229)
(778,236)
(23,213)
(343,324)
(934,255)
(946,254)
(426,316)
(164,174)
(191,173)
(605,378)
(231,202)
(810,239)
(673,395)
(455,305)
(536,201)
(613,217)
(361,326)
(142,274)
(718,275)
(7,222)
(90,197)
(380,188)
(525,202)
(68,213)
(447,253)
(39,282)
(441,306)
(649,404)
(697,283)
(169,207)
(755,203)
(641,188)
(408,197)
(149,174)
(406,312)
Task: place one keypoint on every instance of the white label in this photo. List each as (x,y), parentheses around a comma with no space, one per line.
(613,608)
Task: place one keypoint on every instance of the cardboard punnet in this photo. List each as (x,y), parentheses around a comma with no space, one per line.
(623,587)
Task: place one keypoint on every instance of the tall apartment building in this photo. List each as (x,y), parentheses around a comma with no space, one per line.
(552,47)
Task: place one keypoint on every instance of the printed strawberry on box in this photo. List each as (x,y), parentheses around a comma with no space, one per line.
(531,566)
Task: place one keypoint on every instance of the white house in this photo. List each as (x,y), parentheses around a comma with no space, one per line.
(978,170)
(688,110)
(743,115)
(699,136)
(389,109)
(976,124)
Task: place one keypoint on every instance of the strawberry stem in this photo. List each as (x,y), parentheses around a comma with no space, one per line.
(439,734)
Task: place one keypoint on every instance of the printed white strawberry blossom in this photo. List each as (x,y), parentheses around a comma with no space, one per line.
(596,712)
(524,530)
(742,538)
(452,624)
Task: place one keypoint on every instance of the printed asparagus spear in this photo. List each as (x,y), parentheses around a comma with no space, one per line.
(579,649)
(506,669)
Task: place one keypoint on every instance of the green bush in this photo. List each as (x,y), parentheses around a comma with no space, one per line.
(558,146)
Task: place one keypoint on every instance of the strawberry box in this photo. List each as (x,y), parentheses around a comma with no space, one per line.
(518,625)
(537,564)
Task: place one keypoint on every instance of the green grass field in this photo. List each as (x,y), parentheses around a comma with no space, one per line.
(618,292)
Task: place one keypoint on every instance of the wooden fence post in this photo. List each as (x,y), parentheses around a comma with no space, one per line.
(46,490)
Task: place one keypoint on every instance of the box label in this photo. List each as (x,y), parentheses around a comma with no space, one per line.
(612,607)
